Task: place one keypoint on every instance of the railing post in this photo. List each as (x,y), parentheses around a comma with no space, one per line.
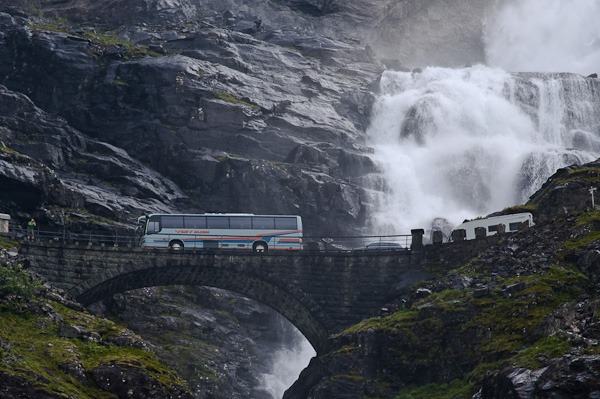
(501,228)
(480,232)
(438,237)
(459,235)
(417,238)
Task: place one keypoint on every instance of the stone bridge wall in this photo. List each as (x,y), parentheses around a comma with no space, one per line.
(321,293)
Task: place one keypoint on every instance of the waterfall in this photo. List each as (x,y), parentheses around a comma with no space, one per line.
(461,143)
(456,144)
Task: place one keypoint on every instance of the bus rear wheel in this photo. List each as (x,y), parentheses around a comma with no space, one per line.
(260,247)
(176,245)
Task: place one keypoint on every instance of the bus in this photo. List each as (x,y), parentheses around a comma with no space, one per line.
(224,231)
(511,223)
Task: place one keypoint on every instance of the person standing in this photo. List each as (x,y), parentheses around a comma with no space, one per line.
(30,227)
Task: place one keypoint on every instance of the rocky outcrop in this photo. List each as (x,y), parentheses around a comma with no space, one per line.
(518,321)
(52,171)
(50,345)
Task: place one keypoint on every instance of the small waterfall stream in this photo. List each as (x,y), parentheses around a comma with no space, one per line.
(288,362)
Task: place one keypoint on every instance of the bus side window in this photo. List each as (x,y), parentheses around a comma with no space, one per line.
(172,222)
(240,222)
(153,225)
(217,222)
(195,222)
(514,226)
(286,224)
(263,223)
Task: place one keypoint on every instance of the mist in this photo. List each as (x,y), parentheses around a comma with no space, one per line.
(544,36)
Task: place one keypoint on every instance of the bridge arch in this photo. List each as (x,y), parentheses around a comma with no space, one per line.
(289,301)
(321,293)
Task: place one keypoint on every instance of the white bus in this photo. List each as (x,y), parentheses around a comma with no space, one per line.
(235,231)
(510,222)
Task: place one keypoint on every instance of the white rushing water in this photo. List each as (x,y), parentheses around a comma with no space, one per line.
(462,143)
(544,36)
(288,364)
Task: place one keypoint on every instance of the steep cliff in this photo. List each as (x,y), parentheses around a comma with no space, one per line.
(254,106)
(233,123)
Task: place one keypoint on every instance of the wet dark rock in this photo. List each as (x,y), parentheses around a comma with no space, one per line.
(193,118)
(68,331)
(131,382)
(55,165)
(563,378)
(75,370)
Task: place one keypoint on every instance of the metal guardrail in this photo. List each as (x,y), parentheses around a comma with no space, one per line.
(66,236)
(343,243)
(367,243)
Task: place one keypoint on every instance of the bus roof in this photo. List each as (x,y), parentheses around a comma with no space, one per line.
(213,214)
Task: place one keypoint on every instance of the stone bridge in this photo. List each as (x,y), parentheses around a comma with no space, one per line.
(321,293)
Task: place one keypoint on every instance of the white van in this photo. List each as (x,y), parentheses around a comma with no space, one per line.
(511,223)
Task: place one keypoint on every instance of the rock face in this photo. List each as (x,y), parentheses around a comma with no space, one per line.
(216,100)
(266,120)
(56,167)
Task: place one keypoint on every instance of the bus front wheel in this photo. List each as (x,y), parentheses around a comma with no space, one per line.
(176,245)
(260,247)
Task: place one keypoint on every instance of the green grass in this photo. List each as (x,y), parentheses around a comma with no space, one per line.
(120,82)
(103,40)
(496,329)
(456,389)
(36,351)
(8,244)
(232,99)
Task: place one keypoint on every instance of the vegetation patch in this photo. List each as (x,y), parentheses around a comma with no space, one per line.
(232,99)
(533,356)
(456,389)
(383,323)
(120,82)
(6,150)
(453,326)
(8,244)
(102,40)
(16,287)
(36,351)
(589,224)
(79,214)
